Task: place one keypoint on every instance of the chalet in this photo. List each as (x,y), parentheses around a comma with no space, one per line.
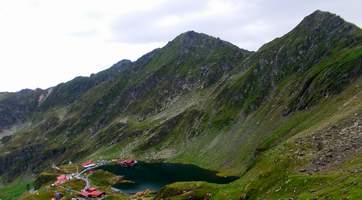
(88,164)
(92,193)
(127,163)
(61,179)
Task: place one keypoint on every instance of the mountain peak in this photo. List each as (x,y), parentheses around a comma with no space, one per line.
(193,39)
(323,19)
(321,13)
(190,33)
(321,16)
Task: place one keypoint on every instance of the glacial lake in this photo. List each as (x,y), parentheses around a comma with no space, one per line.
(154,176)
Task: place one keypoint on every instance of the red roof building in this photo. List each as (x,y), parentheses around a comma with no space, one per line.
(127,163)
(88,163)
(92,192)
(61,179)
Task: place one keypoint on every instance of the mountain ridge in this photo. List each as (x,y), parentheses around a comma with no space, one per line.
(204,101)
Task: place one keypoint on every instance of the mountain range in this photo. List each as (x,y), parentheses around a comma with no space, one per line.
(286,118)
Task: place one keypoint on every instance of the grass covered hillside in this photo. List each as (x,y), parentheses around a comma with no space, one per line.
(286,118)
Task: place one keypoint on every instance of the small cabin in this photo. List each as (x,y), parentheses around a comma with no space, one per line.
(128,162)
(88,164)
(92,193)
(61,179)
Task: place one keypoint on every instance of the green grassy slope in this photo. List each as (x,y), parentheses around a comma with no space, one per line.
(274,116)
(15,189)
(310,162)
(251,112)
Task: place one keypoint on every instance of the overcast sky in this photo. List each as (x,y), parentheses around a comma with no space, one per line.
(45,42)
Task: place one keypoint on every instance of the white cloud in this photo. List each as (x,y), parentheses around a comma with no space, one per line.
(44,42)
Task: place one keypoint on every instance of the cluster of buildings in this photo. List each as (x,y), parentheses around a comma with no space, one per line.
(87,192)
(88,166)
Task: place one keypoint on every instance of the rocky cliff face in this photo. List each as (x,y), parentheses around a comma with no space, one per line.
(21,106)
(31,158)
(198,100)
(15,107)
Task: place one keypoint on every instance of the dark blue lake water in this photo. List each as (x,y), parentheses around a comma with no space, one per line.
(154,176)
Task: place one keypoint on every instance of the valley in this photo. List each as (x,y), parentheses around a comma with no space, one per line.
(285,121)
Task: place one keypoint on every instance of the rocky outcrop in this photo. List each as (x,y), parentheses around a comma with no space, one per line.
(17,107)
(333,145)
(31,158)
